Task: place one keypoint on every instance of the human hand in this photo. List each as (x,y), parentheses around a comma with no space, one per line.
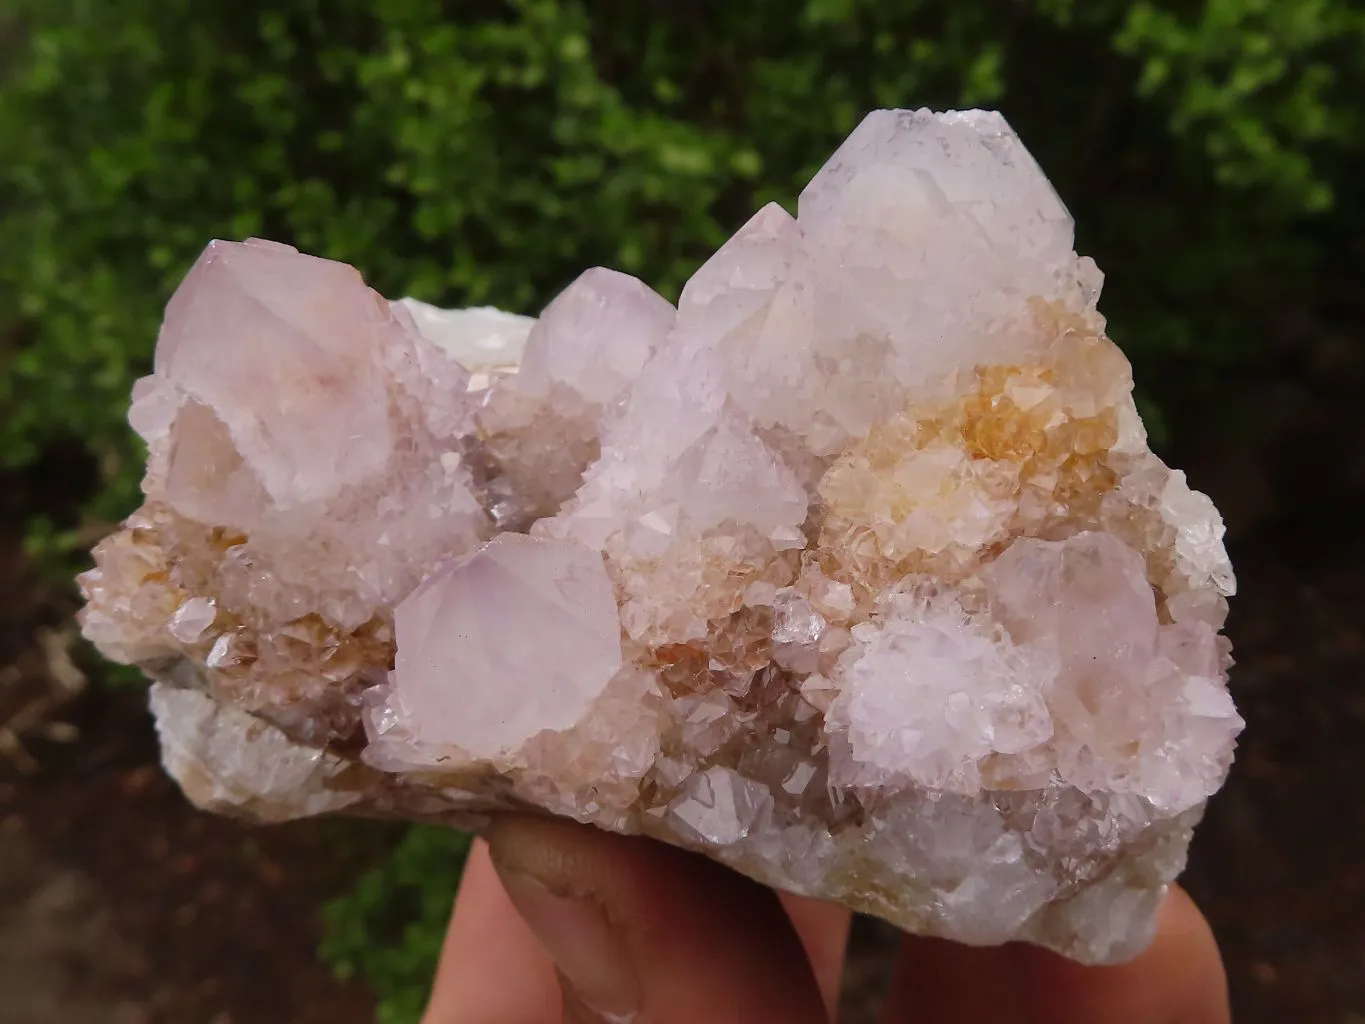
(562,922)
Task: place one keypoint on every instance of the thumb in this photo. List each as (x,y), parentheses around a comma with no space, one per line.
(648,934)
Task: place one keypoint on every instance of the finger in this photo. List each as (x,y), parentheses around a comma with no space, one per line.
(1179,979)
(646,933)
(823,930)
(493,970)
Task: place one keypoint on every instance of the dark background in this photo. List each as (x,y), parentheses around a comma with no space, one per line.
(479,152)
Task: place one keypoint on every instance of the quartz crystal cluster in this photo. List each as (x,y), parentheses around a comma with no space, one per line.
(853,570)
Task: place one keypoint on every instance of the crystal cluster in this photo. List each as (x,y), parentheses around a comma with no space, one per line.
(853,571)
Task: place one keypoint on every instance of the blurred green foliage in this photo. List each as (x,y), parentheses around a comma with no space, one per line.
(485,152)
(388,930)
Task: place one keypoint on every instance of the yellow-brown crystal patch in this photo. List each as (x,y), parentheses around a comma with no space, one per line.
(1024,449)
(137,586)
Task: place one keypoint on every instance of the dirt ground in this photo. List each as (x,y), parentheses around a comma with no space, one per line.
(125,906)
(119,904)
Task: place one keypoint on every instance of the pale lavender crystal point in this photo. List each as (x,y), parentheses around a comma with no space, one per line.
(595,337)
(540,426)
(854,572)
(270,339)
(307,468)
(885,169)
(519,637)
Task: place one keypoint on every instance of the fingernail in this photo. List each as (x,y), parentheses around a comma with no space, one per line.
(576,934)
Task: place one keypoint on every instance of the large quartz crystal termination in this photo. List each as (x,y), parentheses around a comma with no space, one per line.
(853,571)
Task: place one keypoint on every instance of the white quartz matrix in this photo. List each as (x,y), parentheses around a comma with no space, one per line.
(853,571)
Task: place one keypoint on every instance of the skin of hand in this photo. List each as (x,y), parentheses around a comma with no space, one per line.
(562,922)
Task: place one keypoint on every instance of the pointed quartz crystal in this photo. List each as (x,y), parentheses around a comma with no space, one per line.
(520,637)
(275,344)
(595,337)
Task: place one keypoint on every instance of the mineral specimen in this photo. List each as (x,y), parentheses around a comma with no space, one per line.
(854,571)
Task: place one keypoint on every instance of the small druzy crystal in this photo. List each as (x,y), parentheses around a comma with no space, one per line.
(853,571)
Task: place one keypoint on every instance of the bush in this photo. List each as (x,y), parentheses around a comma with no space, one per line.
(484,152)
(388,930)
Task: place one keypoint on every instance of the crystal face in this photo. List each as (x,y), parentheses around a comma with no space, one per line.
(853,571)
(518,637)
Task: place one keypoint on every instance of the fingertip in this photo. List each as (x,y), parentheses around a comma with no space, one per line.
(1188,938)
(823,929)
(565,912)
(492,968)
(1178,979)
(699,941)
